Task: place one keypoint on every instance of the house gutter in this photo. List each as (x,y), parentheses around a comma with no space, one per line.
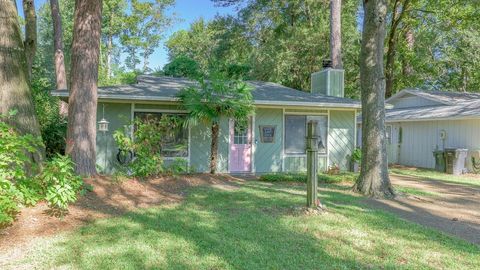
(256,102)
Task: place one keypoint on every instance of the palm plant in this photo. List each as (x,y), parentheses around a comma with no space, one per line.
(209,100)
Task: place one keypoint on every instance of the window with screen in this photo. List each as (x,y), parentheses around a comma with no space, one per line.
(296,132)
(174,142)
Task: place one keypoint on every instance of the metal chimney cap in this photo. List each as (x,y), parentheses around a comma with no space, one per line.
(327,63)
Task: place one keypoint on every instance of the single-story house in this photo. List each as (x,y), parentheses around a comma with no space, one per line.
(274,142)
(420,122)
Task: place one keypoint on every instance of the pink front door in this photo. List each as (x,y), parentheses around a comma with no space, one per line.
(240,149)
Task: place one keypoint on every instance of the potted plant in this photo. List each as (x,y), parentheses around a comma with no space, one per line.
(355,160)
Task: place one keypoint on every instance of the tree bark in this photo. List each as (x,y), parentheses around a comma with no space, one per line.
(214,148)
(15,93)
(336,33)
(407,68)
(109,56)
(30,34)
(59,58)
(373,180)
(82,109)
(397,16)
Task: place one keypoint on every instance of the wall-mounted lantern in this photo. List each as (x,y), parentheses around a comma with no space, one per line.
(103,124)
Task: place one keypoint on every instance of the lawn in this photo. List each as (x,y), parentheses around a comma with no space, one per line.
(254,225)
(434,175)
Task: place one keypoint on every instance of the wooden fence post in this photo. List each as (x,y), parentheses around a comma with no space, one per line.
(312,165)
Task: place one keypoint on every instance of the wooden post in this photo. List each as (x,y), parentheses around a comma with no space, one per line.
(312,165)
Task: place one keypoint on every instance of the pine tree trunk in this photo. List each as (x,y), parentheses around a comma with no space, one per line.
(59,58)
(15,93)
(407,68)
(30,34)
(373,180)
(109,56)
(82,109)
(336,33)
(214,148)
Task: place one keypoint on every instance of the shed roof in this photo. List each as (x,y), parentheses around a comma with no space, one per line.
(154,88)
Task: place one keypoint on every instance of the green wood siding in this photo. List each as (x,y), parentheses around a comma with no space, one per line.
(118,114)
(299,163)
(341,138)
(200,142)
(268,156)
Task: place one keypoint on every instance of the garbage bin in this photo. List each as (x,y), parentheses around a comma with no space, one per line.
(455,160)
(439,156)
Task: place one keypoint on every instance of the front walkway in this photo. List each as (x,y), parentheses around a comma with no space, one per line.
(452,208)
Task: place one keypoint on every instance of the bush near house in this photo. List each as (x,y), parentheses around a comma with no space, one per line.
(302,177)
(23,184)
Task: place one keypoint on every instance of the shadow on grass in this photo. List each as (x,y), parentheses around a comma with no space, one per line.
(247,228)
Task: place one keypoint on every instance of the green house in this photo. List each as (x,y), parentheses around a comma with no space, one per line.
(273,142)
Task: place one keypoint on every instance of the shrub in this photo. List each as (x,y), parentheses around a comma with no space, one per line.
(59,182)
(302,177)
(14,162)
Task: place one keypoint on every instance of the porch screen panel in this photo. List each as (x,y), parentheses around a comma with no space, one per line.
(322,131)
(295,134)
(174,142)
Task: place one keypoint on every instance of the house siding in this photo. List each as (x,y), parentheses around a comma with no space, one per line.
(268,156)
(341,138)
(421,138)
(118,114)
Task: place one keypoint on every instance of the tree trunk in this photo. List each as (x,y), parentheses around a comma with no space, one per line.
(109,56)
(30,34)
(15,93)
(397,16)
(214,148)
(82,109)
(59,58)
(407,68)
(373,179)
(336,33)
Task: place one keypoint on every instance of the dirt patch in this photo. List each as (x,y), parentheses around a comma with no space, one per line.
(456,210)
(107,199)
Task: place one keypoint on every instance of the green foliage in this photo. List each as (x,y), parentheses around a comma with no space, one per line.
(182,66)
(14,162)
(177,166)
(356,155)
(302,177)
(150,135)
(59,182)
(53,126)
(216,98)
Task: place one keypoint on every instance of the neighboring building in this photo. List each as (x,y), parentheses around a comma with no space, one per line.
(421,122)
(274,142)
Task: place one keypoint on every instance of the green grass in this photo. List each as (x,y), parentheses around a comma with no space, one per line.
(434,175)
(416,191)
(252,227)
(302,177)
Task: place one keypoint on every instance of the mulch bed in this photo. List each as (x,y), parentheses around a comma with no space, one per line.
(106,200)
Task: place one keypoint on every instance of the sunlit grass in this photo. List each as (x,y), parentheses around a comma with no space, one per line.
(434,175)
(256,226)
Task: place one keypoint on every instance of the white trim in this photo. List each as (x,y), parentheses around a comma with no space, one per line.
(355,131)
(434,119)
(307,113)
(255,102)
(189,150)
(409,91)
(328,140)
(253,148)
(283,140)
(132,118)
(161,111)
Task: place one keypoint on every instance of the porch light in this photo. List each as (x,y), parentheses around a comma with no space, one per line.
(103,124)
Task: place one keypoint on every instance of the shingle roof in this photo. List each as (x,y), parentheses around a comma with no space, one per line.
(153,88)
(453,105)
